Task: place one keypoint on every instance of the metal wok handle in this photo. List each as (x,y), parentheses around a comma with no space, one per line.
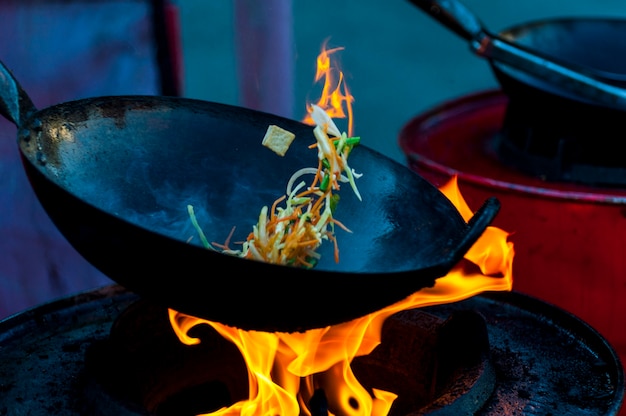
(476,227)
(15,104)
(454,15)
(571,78)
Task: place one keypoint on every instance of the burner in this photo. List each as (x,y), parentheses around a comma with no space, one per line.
(143,363)
(568,237)
(107,352)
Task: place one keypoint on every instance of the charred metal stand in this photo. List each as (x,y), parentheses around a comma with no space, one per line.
(107,352)
(568,237)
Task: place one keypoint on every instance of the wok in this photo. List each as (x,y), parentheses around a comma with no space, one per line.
(115,174)
(574,64)
(571,57)
(580,143)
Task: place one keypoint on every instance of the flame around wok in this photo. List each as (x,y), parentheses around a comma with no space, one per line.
(285,370)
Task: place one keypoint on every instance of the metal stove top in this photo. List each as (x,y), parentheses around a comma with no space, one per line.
(546,361)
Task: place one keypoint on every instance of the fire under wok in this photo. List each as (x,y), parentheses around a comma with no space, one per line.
(115,175)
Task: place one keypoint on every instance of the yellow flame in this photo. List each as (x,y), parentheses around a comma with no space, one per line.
(335,97)
(286,369)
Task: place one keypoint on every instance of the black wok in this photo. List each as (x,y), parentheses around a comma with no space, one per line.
(115,174)
(578,58)
(565,79)
(581,141)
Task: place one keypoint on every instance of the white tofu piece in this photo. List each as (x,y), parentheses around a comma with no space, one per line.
(278,139)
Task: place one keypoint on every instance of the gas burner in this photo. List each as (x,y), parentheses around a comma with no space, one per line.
(108,352)
(143,363)
(568,237)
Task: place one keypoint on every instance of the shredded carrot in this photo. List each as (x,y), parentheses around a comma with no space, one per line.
(343,227)
(230,235)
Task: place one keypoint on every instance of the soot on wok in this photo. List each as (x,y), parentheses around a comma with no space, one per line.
(103,169)
(118,189)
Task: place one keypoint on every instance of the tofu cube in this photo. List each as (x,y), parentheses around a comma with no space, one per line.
(278,139)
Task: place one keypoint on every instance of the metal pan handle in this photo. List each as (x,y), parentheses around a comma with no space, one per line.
(15,104)
(476,227)
(454,15)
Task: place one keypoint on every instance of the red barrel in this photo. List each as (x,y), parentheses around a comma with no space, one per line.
(569,239)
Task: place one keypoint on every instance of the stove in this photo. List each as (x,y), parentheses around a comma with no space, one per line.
(109,352)
(568,234)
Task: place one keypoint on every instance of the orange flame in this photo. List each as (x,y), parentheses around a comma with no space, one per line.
(335,93)
(286,369)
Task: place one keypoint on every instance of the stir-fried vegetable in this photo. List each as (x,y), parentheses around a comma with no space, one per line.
(291,230)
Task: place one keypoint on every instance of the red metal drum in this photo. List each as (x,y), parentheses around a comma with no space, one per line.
(569,239)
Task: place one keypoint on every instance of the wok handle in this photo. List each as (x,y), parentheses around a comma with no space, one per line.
(476,227)
(15,104)
(455,16)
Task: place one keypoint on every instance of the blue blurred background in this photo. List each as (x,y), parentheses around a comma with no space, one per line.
(398,62)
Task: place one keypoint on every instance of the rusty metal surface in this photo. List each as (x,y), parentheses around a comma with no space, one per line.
(546,361)
(42,351)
